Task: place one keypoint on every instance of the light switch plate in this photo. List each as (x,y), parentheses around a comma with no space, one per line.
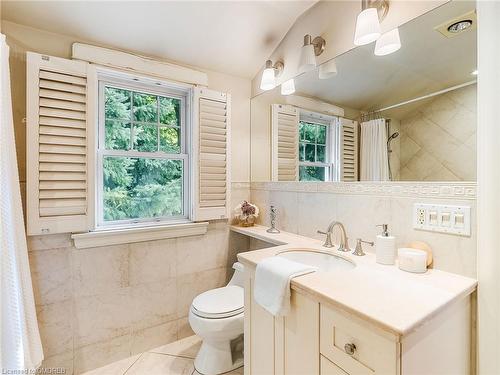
(424,218)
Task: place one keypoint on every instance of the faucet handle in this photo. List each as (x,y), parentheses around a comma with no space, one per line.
(359,247)
(328,241)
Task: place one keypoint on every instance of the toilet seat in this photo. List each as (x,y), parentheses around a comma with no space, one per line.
(219,303)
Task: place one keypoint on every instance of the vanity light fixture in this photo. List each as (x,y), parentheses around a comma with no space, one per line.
(268,81)
(388,43)
(328,70)
(288,87)
(368,21)
(309,51)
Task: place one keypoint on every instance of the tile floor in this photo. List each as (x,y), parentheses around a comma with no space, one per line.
(176,358)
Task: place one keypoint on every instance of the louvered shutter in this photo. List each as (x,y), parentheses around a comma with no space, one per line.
(211,146)
(56,145)
(285,143)
(349,150)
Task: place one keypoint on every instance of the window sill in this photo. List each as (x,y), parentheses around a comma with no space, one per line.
(139,234)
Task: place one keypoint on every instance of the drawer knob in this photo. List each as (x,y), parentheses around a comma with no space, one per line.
(350,348)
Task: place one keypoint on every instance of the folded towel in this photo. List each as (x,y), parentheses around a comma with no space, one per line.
(272,283)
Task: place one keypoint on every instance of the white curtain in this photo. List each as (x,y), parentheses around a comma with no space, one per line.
(20,345)
(373,152)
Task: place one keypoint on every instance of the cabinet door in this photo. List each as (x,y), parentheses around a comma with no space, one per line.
(259,335)
(281,345)
(299,331)
(330,368)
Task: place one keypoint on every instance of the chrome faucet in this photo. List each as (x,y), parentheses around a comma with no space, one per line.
(344,244)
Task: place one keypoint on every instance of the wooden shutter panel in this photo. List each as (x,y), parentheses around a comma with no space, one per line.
(56,145)
(211,146)
(349,150)
(285,143)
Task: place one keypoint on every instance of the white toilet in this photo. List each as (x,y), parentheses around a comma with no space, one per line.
(217,317)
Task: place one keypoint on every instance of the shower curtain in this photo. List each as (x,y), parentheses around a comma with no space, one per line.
(20,345)
(373,152)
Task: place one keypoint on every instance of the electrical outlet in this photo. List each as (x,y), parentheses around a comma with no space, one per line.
(421,216)
(442,218)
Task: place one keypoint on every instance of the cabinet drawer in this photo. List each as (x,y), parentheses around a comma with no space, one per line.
(329,368)
(354,347)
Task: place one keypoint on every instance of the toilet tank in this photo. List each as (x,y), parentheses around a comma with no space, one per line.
(237,278)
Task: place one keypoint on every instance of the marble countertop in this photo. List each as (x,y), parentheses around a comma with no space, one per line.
(393,299)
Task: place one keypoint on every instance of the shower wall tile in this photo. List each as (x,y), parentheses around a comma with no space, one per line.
(438,139)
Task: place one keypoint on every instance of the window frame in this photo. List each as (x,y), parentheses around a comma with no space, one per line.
(323,120)
(151,87)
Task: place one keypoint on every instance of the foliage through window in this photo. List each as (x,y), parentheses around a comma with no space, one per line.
(142,155)
(313,152)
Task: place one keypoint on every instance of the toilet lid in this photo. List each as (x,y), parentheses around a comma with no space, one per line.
(219,303)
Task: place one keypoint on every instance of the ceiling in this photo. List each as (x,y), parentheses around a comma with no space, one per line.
(234,37)
(427,62)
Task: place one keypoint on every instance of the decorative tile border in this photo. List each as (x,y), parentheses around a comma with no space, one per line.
(444,190)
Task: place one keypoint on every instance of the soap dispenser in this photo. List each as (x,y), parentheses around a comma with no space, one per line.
(385,246)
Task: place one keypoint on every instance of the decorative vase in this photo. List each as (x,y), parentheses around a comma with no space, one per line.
(248,221)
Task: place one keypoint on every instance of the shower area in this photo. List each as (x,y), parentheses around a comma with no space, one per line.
(429,138)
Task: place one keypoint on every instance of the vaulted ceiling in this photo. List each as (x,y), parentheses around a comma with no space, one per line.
(235,37)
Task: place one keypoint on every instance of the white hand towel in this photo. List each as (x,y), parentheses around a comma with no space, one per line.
(272,283)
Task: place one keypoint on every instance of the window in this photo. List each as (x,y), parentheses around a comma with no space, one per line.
(142,153)
(314,151)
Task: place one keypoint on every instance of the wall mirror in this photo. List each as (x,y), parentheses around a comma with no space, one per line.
(406,116)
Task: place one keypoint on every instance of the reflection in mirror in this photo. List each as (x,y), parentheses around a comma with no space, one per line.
(407,116)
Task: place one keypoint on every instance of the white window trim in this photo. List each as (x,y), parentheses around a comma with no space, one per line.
(154,86)
(321,119)
(152,232)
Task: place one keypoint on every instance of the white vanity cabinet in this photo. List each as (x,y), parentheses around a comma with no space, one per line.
(320,338)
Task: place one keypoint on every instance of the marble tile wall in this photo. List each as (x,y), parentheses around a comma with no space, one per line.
(309,209)
(99,305)
(438,139)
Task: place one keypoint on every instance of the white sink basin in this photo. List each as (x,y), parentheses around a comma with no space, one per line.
(325,261)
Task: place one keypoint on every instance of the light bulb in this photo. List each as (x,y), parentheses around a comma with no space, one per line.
(268,81)
(367,27)
(388,43)
(288,87)
(307,60)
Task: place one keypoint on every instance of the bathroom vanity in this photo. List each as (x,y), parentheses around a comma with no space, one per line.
(360,319)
